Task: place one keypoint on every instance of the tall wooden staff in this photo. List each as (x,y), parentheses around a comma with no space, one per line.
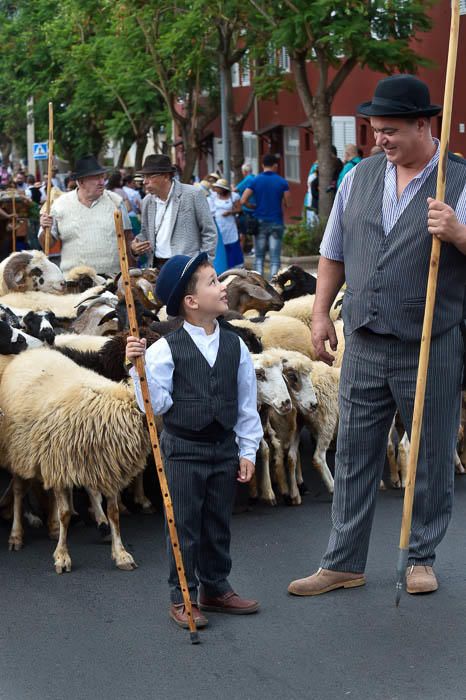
(457,7)
(13,222)
(139,364)
(49,179)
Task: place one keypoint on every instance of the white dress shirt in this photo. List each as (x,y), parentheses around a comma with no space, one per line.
(163,214)
(159,372)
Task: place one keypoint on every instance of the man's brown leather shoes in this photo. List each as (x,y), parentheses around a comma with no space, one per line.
(421,579)
(229,603)
(325,580)
(180,616)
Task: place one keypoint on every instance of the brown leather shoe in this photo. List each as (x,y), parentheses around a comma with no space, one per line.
(230,603)
(325,580)
(180,616)
(421,579)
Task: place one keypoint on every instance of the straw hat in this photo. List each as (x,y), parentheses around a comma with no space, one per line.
(222,184)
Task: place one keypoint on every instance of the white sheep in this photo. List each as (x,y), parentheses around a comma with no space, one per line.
(272,393)
(69,427)
(323,422)
(30,271)
(296,370)
(280,332)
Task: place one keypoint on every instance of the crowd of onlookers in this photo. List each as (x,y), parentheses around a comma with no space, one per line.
(248,215)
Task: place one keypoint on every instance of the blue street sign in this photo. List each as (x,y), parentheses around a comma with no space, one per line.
(41,151)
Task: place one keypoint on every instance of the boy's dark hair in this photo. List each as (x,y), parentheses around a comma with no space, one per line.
(269,160)
(192,283)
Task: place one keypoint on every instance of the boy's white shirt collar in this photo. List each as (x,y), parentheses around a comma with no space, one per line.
(200,331)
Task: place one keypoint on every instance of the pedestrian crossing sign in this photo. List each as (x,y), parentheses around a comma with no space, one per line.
(41,151)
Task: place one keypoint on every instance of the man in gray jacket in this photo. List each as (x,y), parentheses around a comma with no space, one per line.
(175,218)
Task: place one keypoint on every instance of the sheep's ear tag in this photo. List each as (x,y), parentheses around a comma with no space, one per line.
(150,296)
(288,283)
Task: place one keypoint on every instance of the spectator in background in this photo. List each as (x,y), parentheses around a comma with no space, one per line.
(139,185)
(271,192)
(375,149)
(115,184)
(129,188)
(70,183)
(351,158)
(20,181)
(226,206)
(247,224)
(56,181)
(33,189)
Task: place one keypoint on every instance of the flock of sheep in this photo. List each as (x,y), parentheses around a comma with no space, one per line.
(69,416)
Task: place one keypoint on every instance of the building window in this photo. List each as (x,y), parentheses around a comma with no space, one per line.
(250,150)
(235,78)
(284,62)
(245,71)
(291,143)
(343,132)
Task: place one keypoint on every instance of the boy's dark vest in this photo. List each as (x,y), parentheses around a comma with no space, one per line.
(205,398)
(386,276)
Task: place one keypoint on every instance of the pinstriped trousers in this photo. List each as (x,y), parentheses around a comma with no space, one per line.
(202,481)
(378,376)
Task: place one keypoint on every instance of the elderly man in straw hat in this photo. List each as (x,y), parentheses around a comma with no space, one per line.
(83,221)
(175,218)
(378,239)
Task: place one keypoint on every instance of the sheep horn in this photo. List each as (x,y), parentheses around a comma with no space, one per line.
(14,266)
(238,272)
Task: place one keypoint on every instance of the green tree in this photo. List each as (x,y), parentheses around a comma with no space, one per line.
(336,37)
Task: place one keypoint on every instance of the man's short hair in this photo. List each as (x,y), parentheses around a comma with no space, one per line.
(246,168)
(269,160)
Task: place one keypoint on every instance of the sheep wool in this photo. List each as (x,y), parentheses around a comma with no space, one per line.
(69,426)
(62,305)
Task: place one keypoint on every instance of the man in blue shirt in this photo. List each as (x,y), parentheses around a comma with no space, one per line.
(271,194)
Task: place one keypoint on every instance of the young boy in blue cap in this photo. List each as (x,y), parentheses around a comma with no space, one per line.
(201,378)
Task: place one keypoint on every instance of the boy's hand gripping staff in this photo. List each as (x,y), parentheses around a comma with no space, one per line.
(139,364)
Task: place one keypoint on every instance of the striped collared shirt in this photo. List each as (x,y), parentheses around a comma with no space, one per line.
(392,207)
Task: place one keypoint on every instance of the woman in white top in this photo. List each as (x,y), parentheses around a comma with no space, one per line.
(227,205)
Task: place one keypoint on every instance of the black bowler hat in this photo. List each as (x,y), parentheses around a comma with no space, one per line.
(173,278)
(87,166)
(157,163)
(400,96)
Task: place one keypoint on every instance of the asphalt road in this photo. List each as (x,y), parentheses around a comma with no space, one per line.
(102,634)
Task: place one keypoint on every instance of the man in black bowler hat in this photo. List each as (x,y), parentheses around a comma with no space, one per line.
(379,239)
(83,221)
(175,218)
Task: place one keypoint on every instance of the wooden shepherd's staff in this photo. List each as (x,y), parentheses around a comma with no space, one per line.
(13,222)
(49,179)
(457,7)
(139,364)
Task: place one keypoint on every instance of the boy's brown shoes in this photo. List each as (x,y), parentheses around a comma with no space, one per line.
(325,580)
(421,579)
(229,603)
(180,616)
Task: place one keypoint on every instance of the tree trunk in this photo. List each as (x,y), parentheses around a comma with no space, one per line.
(6,146)
(141,143)
(318,111)
(190,160)
(322,123)
(237,148)
(125,145)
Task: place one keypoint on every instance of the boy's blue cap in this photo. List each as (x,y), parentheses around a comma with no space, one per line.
(173,278)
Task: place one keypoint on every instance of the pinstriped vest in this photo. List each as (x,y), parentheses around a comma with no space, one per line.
(386,276)
(205,398)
